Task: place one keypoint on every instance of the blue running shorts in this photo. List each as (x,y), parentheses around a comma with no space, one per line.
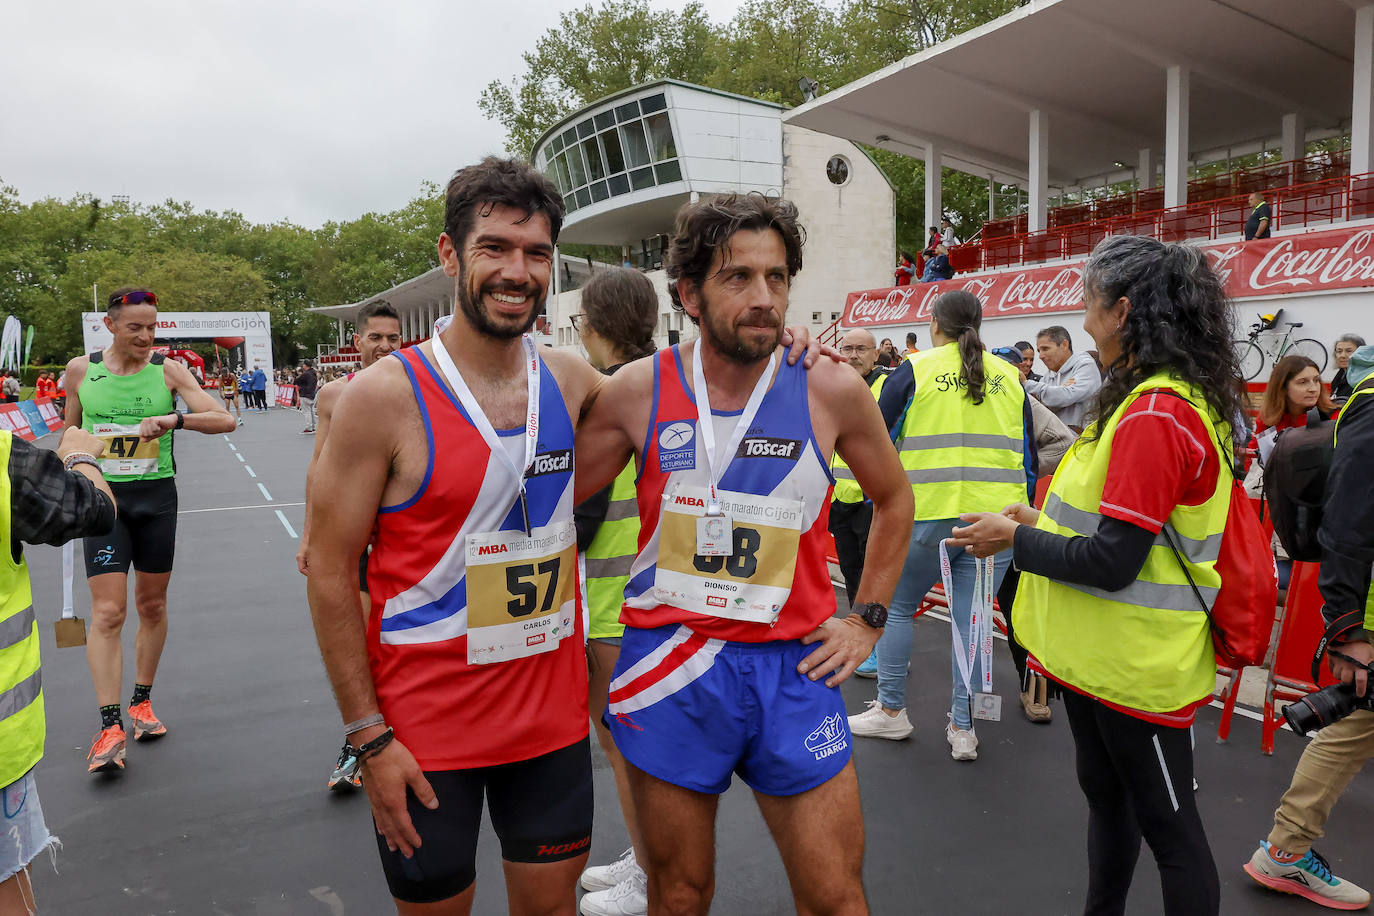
(690,711)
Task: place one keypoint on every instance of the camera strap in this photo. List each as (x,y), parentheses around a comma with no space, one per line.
(1217,631)
(1338,628)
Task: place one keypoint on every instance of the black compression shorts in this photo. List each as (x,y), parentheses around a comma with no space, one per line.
(144,533)
(541,809)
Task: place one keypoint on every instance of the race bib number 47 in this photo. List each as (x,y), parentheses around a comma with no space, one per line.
(125,452)
(520,592)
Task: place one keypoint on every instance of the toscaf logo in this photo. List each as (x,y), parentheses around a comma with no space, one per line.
(677,446)
(769,447)
(556,462)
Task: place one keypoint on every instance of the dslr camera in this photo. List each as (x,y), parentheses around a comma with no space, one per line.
(1330,704)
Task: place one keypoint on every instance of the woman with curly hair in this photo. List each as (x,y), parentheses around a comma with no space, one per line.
(1135,510)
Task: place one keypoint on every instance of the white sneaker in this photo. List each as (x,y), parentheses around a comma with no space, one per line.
(628,898)
(874,722)
(605,877)
(963,743)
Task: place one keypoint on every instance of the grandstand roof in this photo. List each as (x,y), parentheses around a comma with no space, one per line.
(1096,68)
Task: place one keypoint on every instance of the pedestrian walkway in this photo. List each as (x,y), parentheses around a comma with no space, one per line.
(230,815)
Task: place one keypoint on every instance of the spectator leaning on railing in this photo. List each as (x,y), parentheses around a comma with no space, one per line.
(1286,860)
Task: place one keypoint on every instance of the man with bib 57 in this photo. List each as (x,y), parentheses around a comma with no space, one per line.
(125,396)
(731,654)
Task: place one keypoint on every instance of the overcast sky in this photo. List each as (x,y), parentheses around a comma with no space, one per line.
(295,110)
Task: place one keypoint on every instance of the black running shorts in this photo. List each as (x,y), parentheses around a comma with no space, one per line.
(144,533)
(541,809)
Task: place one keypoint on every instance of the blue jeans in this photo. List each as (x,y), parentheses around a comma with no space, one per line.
(919,574)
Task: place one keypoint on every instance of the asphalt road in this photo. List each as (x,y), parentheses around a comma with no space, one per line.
(229,814)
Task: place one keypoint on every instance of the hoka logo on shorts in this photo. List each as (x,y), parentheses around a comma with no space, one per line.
(558,462)
(677,447)
(829,738)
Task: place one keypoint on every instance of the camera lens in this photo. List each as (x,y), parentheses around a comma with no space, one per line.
(1320,709)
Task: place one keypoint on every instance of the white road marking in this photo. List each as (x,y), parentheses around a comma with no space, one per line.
(232,446)
(289,530)
(239,456)
(249,469)
(234,508)
(265,495)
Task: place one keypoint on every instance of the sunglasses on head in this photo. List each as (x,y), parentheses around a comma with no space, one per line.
(137,297)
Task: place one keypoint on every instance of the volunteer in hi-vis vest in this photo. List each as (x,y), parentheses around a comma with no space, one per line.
(616,326)
(851,513)
(962,428)
(1104,605)
(46,497)
(731,652)
(125,395)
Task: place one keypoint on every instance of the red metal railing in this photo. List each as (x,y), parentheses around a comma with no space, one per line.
(1327,200)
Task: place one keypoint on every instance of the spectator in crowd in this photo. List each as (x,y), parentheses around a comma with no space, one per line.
(1346,345)
(888,357)
(851,513)
(259,383)
(9,387)
(307,383)
(911,349)
(937,266)
(45,498)
(1100,608)
(1027,360)
(1295,387)
(947,235)
(44,386)
(1286,861)
(1260,220)
(1072,381)
(1052,437)
(61,394)
(932,240)
(246,388)
(905,270)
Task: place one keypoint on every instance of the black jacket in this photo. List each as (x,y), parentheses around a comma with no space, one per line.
(1346,534)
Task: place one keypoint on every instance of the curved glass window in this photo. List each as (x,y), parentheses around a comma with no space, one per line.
(628,148)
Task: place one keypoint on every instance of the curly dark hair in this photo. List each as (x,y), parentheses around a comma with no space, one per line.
(705,227)
(1181,321)
(499,181)
(960,314)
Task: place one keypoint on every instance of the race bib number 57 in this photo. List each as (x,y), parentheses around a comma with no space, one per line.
(125,452)
(520,592)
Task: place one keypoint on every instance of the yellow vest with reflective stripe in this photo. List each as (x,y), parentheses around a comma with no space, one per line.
(22,725)
(846,487)
(1149,645)
(961,457)
(609,556)
(1365,389)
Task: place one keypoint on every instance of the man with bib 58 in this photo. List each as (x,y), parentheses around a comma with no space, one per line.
(731,655)
(125,396)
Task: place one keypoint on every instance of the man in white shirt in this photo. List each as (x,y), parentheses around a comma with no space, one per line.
(1071,383)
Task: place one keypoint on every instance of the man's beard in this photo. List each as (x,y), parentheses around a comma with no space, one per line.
(727,341)
(503,328)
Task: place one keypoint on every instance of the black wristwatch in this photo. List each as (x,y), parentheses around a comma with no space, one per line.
(871,613)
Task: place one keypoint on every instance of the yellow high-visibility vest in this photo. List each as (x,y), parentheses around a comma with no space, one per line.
(22,726)
(961,457)
(847,489)
(1149,645)
(609,556)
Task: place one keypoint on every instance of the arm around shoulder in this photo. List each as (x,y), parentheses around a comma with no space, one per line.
(615,416)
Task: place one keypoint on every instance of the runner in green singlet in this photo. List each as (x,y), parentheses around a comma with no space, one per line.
(125,396)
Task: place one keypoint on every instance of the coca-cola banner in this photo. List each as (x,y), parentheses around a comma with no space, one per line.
(1335,259)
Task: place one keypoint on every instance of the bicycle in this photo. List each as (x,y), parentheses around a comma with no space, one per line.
(1252,356)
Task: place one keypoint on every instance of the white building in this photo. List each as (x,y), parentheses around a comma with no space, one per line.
(627,163)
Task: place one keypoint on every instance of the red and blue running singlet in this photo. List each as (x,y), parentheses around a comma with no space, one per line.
(781,481)
(450,541)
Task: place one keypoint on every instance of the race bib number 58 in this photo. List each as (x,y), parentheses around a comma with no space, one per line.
(520,592)
(125,452)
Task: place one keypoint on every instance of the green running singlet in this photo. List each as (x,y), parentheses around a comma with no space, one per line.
(112,407)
